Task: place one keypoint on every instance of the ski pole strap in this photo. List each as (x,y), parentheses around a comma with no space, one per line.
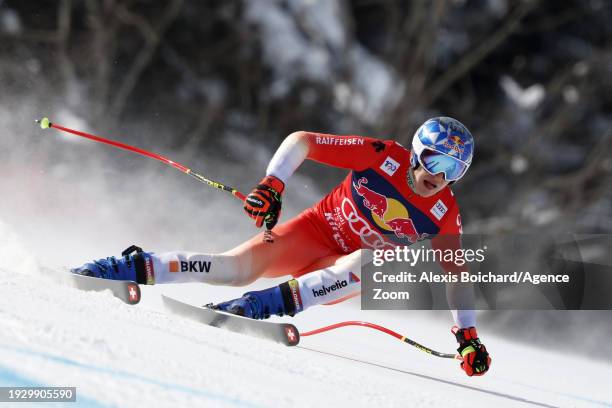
(384,330)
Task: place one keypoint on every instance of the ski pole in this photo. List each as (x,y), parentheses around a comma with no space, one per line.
(45,124)
(384,330)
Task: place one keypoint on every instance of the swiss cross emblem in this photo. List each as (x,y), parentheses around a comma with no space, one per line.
(292,336)
(133,292)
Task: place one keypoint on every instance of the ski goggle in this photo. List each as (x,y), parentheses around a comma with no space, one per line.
(436,162)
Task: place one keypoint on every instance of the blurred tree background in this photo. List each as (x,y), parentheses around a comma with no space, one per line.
(531,79)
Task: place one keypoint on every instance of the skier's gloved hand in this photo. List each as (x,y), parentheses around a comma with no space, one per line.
(280,300)
(476,360)
(263,204)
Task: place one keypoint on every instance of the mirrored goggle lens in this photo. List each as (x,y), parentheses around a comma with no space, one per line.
(435,162)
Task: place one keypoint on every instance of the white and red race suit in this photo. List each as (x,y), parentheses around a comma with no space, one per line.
(374,207)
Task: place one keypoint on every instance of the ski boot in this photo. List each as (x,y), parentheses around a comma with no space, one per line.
(135,265)
(280,300)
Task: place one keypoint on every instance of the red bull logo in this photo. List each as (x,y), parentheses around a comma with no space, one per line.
(455,143)
(388,213)
(373,201)
(404,228)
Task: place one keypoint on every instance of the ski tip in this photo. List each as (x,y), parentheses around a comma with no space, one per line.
(44,123)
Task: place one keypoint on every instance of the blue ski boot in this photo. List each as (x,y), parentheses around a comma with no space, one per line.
(280,300)
(135,265)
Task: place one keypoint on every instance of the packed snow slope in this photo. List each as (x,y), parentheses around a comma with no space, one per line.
(140,356)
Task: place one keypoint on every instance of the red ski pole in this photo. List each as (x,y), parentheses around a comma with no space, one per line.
(384,330)
(45,124)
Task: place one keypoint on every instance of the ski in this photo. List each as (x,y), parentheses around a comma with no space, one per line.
(284,333)
(127,291)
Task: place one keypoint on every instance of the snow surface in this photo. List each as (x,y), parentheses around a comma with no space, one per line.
(140,356)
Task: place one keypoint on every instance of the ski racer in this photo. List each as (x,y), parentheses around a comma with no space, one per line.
(392,196)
